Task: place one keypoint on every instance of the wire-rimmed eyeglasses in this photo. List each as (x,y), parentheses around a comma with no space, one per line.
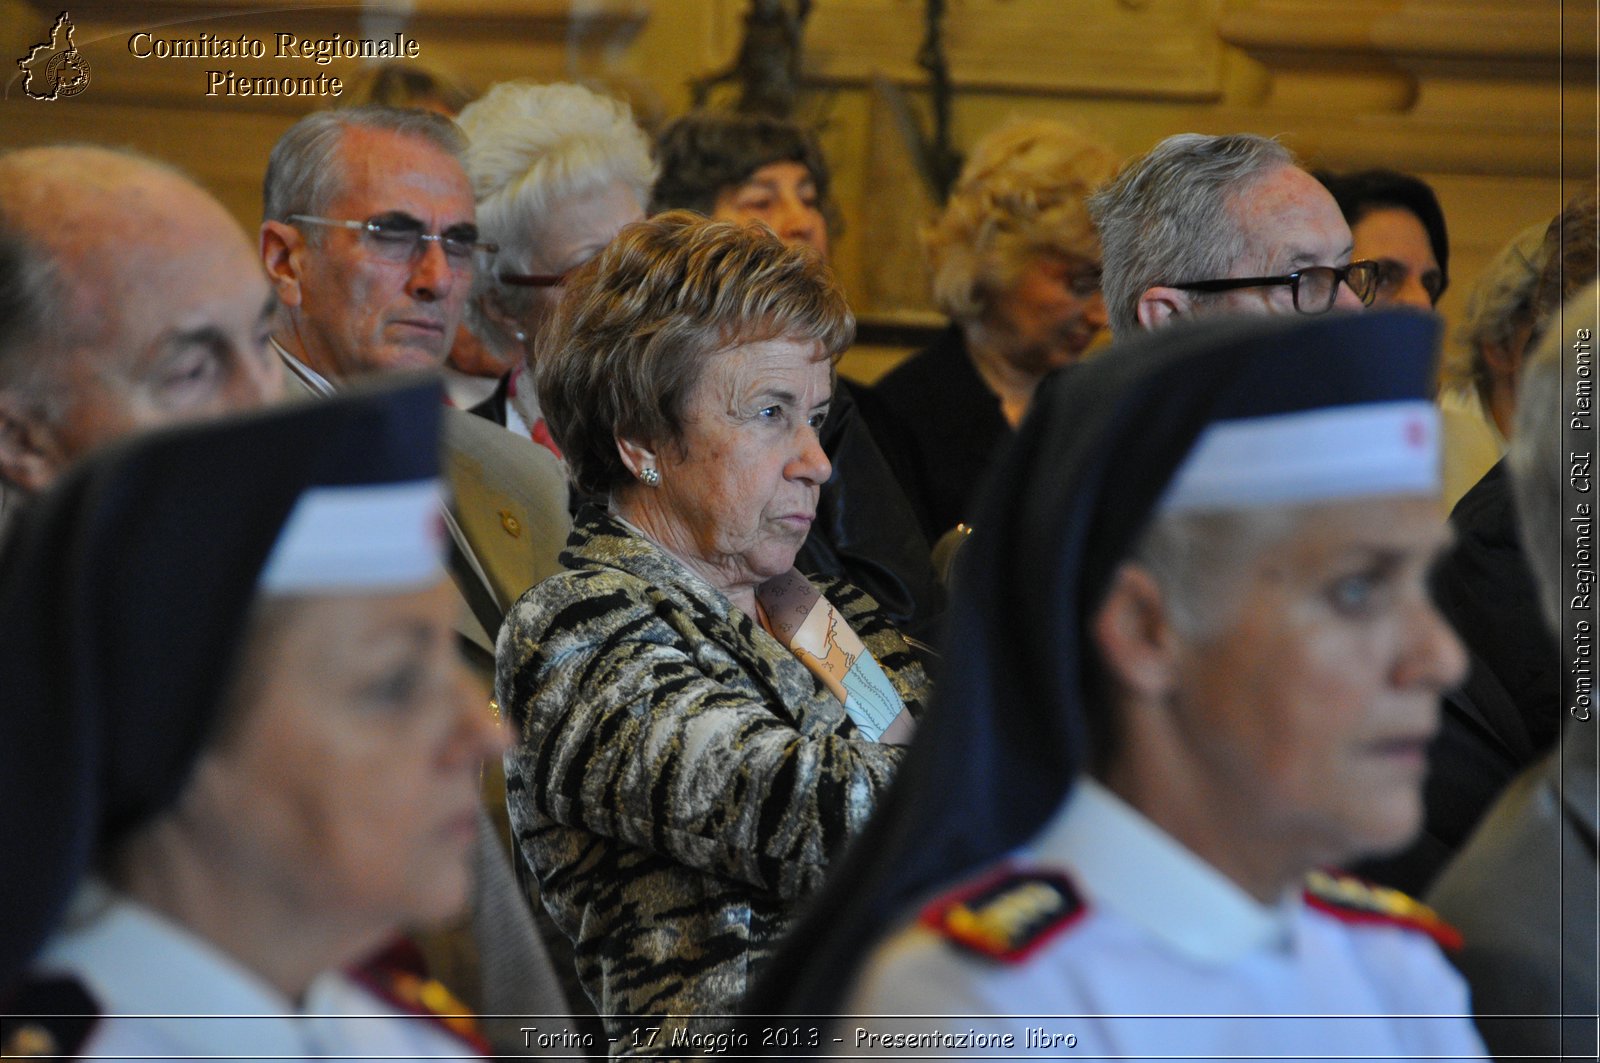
(1314,289)
(401,238)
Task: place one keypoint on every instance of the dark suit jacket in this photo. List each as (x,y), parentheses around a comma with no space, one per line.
(866,532)
(1486,590)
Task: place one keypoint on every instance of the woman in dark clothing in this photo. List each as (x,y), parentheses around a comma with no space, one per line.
(1016,265)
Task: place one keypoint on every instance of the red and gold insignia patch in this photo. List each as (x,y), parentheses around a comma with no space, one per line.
(396,975)
(1006,916)
(1355,900)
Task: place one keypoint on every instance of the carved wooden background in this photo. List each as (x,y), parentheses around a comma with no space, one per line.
(1492,101)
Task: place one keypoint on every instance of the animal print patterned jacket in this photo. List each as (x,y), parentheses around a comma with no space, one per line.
(680,779)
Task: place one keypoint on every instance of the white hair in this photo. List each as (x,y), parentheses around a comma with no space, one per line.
(1198,557)
(529,145)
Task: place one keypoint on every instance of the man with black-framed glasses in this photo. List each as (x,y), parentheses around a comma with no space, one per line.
(1223,224)
(370,237)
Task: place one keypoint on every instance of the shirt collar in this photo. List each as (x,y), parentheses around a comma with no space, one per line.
(113,944)
(609,539)
(522,405)
(1129,865)
(308,376)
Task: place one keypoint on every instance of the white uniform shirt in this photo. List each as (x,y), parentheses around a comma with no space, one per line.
(167,994)
(1168,958)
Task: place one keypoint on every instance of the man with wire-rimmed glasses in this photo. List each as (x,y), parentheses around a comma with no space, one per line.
(370,237)
(1224,224)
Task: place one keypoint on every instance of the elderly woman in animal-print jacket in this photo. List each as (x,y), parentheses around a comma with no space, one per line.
(701,728)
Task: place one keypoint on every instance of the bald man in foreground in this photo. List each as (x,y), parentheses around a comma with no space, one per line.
(129,298)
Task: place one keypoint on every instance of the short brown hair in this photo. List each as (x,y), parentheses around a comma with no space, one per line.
(626,347)
(705,153)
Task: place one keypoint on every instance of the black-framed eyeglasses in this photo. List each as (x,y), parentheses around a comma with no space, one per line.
(400,238)
(534,280)
(541,280)
(1313,289)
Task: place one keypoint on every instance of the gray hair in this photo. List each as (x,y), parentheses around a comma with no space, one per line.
(1535,458)
(1167,217)
(302,177)
(528,146)
(1196,558)
(34,305)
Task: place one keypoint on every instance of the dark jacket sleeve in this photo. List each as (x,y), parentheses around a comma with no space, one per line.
(866,531)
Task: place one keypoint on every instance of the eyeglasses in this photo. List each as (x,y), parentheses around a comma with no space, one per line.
(400,238)
(542,280)
(1313,289)
(535,280)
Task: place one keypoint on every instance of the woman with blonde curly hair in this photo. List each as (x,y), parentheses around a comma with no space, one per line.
(1016,264)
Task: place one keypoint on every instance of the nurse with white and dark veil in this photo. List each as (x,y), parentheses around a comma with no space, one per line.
(238,752)
(1193,667)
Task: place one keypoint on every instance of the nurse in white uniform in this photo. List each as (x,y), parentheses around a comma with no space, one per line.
(1194,665)
(239,751)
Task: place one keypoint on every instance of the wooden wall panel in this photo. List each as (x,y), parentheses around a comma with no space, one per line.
(1151,49)
(1491,100)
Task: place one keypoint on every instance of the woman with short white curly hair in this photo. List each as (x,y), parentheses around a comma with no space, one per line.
(556,170)
(1015,261)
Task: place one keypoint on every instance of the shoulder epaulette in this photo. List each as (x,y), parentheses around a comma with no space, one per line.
(393,978)
(1007,915)
(47,1017)
(1355,900)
